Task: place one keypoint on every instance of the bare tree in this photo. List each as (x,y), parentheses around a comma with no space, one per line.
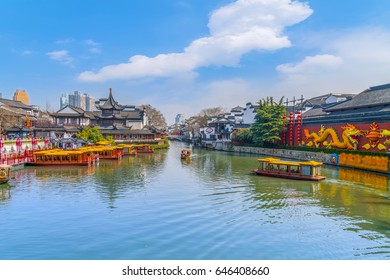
(10,119)
(155,117)
(213,112)
(49,108)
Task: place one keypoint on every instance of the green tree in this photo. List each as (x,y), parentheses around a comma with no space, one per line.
(269,122)
(91,134)
(243,135)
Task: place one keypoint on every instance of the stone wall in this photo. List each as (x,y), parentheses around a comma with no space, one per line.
(280,153)
(283,153)
(316,156)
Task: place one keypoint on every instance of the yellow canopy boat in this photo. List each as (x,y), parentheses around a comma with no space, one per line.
(273,167)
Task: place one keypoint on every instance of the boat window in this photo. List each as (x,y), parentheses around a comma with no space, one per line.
(283,168)
(273,167)
(261,165)
(294,169)
(306,170)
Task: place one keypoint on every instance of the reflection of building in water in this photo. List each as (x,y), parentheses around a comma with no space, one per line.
(367,178)
(5,193)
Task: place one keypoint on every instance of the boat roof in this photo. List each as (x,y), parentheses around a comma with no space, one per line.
(103,143)
(5,166)
(293,163)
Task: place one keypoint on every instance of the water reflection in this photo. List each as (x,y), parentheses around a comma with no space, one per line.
(115,178)
(5,191)
(368,179)
(211,207)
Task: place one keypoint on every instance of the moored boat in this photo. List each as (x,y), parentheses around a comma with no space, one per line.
(104,152)
(273,167)
(61,158)
(128,150)
(185,154)
(143,148)
(5,173)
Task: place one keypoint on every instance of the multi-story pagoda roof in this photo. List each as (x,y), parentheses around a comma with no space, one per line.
(111,104)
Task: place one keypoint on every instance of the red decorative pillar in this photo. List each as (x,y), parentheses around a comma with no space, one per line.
(1,146)
(18,145)
(291,143)
(284,132)
(46,142)
(34,143)
(299,123)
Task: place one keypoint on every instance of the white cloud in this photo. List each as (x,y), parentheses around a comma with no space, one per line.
(355,60)
(61,56)
(91,42)
(310,64)
(64,41)
(235,29)
(95,50)
(27,52)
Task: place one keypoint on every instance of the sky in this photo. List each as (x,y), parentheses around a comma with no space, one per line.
(182,56)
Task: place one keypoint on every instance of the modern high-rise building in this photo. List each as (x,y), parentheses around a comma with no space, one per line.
(83,101)
(89,103)
(179,119)
(21,95)
(64,100)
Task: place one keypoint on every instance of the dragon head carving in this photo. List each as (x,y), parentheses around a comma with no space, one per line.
(352,133)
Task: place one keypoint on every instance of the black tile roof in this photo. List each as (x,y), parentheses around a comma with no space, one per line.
(374,96)
(111,104)
(15,104)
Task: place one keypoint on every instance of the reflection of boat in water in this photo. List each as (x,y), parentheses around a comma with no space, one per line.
(5,191)
(185,154)
(5,173)
(273,167)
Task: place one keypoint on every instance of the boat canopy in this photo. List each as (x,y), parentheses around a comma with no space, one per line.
(292,163)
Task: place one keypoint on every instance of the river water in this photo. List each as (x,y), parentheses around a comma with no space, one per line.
(211,207)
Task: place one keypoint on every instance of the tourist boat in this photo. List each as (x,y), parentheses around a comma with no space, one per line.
(105,152)
(61,158)
(104,143)
(185,154)
(273,167)
(143,148)
(128,150)
(5,173)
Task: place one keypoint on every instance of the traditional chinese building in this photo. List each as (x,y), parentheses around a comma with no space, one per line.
(121,122)
(361,123)
(110,114)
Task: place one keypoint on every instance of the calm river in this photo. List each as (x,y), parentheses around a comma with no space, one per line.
(159,207)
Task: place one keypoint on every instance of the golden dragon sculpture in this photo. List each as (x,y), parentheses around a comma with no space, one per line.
(349,137)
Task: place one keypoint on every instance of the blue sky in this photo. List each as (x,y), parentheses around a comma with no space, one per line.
(182,56)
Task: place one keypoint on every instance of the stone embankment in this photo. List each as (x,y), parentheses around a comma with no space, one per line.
(279,153)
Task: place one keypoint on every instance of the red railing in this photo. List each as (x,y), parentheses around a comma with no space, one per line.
(15,158)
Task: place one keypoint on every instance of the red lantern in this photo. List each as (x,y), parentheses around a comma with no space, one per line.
(34,143)
(299,122)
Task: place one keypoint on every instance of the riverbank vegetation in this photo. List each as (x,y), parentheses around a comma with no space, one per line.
(268,126)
